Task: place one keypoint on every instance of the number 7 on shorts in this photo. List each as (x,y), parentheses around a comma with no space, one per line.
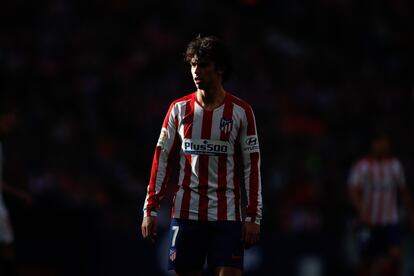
(175,229)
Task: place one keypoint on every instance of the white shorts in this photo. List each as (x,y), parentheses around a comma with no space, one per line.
(6,232)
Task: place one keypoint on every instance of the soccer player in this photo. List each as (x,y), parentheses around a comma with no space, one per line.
(210,136)
(375,182)
(7,122)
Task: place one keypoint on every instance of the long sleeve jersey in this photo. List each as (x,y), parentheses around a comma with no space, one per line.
(6,231)
(379,182)
(217,151)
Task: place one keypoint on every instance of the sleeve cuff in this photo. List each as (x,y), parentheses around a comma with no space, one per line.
(250,219)
(150,213)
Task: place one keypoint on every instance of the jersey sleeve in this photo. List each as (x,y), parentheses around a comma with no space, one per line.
(399,174)
(353,177)
(161,164)
(356,174)
(249,144)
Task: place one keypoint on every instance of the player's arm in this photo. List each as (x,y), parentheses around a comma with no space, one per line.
(161,167)
(252,179)
(355,192)
(355,196)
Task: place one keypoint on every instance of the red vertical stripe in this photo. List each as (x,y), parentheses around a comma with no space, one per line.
(203,167)
(381,209)
(222,168)
(391,192)
(369,207)
(367,212)
(380,206)
(152,200)
(176,167)
(254,185)
(188,130)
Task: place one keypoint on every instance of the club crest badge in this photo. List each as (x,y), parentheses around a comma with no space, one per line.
(226,125)
(163,137)
(173,255)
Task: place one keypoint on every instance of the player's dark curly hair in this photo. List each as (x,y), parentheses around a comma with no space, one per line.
(212,48)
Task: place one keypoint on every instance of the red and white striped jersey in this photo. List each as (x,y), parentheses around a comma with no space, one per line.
(217,151)
(379,181)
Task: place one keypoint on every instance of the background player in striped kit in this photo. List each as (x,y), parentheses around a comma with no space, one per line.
(375,183)
(7,122)
(211,136)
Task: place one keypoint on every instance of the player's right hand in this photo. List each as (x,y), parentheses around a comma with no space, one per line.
(149,228)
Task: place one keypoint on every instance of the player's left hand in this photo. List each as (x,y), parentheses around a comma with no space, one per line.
(250,234)
(149,228)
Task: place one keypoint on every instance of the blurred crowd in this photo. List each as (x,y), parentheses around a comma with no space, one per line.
(92,81)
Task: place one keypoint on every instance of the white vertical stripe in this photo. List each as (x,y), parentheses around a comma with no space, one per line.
(181,114)
(387,185)
(162,170)
(180,192)
(372,171)
(215,123)
(395,181)
(247,161)
(196,134)
(259,196)
(230,197)
(197,121)
(399,173)
(213,167)
(194,196)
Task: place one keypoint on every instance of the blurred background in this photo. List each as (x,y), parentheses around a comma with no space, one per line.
(92,81)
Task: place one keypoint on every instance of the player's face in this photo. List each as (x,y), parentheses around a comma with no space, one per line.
(381,146)
(205,73)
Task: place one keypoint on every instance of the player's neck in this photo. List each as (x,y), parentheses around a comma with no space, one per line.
(211,98)
(380,157)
